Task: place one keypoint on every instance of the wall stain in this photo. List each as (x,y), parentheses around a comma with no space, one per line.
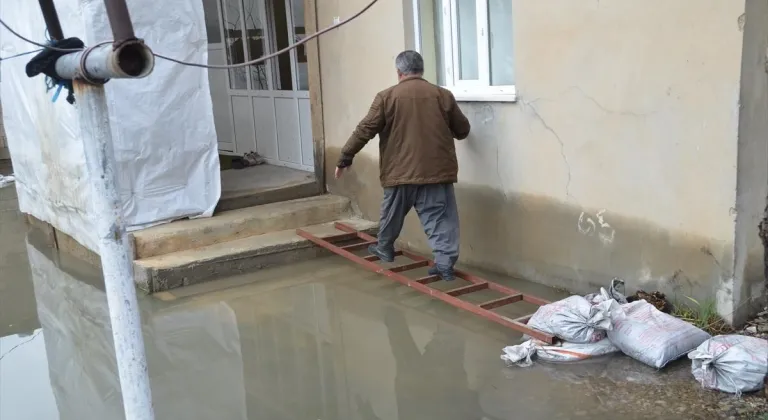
(533,237)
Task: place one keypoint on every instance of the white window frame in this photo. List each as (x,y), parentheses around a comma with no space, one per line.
(465,90)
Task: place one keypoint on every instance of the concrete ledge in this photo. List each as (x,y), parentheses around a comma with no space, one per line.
(45,233)
(267,196)
(184,268)
(238,224)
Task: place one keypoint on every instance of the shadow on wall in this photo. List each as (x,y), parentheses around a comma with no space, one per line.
(552,242)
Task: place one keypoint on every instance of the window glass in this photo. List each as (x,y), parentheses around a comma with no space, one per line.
(466,16)
(256,28)
(233,38)
(502,64)
(299,32)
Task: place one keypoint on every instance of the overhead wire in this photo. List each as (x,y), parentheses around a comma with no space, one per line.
(214,66)
(20,54)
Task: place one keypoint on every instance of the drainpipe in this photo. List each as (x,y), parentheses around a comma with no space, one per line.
(89,70)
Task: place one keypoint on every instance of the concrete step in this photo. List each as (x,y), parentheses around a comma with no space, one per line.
(183,268)
(238,224)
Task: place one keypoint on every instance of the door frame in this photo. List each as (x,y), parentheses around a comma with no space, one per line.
(315,93)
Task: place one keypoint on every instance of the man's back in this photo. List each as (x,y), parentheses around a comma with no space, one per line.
(417,123)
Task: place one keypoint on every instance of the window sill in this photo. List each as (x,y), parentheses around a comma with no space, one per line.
(505,94)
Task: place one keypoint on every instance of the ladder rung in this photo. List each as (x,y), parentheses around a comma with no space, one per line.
(428,279)
(341,237)
(375,258)
(523,319)
(467,289)
(506,300)
(409,266)
(357,247)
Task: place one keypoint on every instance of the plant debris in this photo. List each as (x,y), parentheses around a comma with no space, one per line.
(657,299)
(704,316)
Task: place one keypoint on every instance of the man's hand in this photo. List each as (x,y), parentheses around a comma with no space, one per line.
(339,172)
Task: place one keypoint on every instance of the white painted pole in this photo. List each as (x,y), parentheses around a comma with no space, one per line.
(116,252)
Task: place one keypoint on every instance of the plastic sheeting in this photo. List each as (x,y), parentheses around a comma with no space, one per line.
(162,126)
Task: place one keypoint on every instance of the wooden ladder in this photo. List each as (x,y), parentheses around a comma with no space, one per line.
(422,285)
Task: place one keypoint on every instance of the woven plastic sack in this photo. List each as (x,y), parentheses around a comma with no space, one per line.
(574,319)
(613,292)
(563,352)
(567,352)
(653,337)
(731,363)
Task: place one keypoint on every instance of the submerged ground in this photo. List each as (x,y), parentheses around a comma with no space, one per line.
(317,340)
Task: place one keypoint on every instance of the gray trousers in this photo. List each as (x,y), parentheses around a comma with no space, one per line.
(436,206)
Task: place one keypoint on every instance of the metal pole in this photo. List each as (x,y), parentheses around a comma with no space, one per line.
(51,20)
(116,252)
(119,20)
(88,70)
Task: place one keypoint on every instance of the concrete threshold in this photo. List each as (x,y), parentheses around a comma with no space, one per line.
(193,266)
(238,224)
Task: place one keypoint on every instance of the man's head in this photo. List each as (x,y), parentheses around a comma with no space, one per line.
(409,64)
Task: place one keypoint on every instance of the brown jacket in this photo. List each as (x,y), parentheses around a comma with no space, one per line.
(416,122)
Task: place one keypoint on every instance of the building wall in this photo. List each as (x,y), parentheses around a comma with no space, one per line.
(618,159)
(748,286)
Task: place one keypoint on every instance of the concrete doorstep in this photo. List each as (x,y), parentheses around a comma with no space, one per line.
(237,242)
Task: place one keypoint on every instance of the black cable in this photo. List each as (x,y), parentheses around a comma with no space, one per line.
(211,66)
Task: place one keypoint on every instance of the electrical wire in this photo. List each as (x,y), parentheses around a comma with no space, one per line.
(212,66)
(277,53)
(2,22)
(19,55)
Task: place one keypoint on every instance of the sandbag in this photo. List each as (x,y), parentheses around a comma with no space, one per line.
(567,352)
(651,336)
(612,293)
(563,352)
(731,363)
(575,320)
(520,354)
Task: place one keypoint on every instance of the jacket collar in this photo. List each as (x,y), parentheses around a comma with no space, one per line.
(409,78)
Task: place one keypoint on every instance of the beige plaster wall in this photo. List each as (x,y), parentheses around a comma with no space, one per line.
(618,159)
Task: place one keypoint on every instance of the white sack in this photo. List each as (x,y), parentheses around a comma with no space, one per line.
(653,337)
(563,352)
(567,352)
(520,354)
(731,363)
(162,126)
(612,293)
(574,319)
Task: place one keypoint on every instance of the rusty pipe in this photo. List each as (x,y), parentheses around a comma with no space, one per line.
(51,18)
(119,21)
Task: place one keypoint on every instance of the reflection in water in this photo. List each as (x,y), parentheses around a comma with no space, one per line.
(194,354)
(318,340)
(25,391)
(432,384)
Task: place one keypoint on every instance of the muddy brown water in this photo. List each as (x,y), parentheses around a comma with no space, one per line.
(319,340)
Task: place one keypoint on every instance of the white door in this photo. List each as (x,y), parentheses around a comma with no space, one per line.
(263,108)
(218,79)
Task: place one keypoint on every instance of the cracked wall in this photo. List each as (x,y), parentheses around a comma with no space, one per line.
(618,159)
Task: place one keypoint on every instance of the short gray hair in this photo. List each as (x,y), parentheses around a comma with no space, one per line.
(409,62)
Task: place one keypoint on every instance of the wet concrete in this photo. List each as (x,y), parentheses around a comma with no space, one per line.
(316,340)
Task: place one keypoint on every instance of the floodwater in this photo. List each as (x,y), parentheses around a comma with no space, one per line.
(319,340)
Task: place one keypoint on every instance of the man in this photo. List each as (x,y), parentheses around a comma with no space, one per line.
(416,122)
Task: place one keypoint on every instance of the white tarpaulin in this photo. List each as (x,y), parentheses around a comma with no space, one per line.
(162,126)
